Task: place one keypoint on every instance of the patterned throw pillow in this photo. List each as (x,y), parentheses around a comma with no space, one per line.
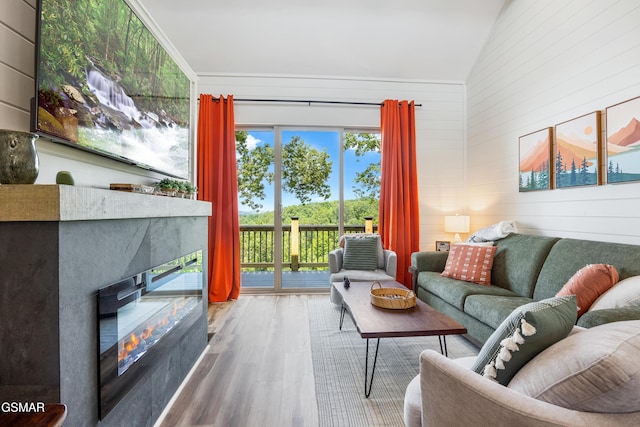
(589,283)
(527,331)
(360,254)
(470,263)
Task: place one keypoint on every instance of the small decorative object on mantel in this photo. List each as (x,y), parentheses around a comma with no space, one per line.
(65,178)
(133,188)
(174,188)
(393,298)
(19,162)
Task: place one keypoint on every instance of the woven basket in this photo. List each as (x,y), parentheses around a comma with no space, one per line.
(393,298)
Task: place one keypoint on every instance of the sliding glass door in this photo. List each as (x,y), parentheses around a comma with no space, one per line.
(310,205)
(299,190)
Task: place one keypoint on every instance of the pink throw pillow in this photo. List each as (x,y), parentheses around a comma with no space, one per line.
(470,263)
(589,283)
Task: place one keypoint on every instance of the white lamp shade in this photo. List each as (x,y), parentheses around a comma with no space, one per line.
(456,224)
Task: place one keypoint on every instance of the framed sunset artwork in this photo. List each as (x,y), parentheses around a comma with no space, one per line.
(576,151)
(535,161)
(623,141)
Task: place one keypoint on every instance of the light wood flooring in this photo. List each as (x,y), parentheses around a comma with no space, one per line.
(258,370)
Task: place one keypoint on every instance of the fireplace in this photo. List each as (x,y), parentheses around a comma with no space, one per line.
(139,318)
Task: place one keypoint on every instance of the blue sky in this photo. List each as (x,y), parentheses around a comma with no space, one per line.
(319,140)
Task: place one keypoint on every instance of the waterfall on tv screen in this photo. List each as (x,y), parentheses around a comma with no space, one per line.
(149,138)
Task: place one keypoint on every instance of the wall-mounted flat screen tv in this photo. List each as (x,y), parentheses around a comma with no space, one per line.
(105,84)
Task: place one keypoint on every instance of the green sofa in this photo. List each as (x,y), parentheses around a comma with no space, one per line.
(526,268)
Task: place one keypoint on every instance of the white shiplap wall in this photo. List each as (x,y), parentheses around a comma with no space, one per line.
(439,125)
(546,62)
(17,73)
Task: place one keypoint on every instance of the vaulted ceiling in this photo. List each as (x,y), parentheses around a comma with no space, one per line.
(434,40)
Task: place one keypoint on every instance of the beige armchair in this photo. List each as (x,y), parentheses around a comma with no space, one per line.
(385,268)
(447,393)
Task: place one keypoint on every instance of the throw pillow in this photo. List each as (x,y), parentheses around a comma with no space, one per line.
(589,283)
(625,293)
(527,331)
(596,370)
(360,254)
(470,263)
(366,236)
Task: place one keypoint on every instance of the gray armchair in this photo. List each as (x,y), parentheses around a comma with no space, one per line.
(386,269)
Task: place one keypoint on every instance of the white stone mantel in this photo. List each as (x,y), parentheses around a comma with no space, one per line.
(70,203)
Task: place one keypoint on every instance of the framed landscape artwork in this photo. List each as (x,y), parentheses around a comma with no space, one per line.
(535,160)
(623,141)
(576,151)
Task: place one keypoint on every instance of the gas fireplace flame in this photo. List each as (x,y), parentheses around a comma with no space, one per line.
(138,342)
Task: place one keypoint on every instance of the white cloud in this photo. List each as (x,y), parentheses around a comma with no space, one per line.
(252,142)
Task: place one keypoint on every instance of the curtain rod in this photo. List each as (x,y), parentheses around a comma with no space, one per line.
(308,102)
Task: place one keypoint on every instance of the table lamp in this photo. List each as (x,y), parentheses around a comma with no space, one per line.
(456,224)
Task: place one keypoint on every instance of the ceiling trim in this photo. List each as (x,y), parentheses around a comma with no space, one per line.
(329,77)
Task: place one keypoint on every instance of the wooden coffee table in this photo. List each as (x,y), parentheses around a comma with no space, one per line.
(375,322)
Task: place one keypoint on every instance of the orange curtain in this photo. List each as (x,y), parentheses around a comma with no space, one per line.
(218,184)
(398,222)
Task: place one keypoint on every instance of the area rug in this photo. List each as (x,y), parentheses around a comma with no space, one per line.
(339,363)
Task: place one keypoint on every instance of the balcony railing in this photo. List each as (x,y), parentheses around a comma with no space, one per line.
(314,242)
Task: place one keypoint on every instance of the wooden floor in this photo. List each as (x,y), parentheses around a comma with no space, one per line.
(258,370)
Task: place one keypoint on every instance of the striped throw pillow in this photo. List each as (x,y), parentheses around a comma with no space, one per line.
(360,254)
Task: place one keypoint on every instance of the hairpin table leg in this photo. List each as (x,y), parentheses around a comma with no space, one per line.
(442,339)
(343,310)
(367,388)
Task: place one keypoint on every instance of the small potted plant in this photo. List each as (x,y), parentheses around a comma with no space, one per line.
(182,189)
(167,187)
(191,190)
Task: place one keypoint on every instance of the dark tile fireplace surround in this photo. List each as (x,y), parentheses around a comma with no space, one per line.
(58,246)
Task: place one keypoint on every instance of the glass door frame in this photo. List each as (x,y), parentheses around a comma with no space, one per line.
(277,197)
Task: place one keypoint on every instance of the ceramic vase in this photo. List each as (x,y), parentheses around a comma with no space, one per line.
(19,162)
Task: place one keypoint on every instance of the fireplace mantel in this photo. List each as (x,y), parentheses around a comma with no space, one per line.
(60,244)
(71,203)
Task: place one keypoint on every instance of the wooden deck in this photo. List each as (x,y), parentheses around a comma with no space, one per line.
(290,280)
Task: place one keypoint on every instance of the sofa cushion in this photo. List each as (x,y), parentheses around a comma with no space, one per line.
(527,331)
(360,275)
(518,261)
(589,283)
(455,292)
(360,254)
(493,309)
(608,315)
(470,263)
(625,293)
(569,255)
(595,370)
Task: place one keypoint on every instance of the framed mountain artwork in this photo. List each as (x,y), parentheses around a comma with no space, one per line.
(576,151)
(535,160)
(623,141)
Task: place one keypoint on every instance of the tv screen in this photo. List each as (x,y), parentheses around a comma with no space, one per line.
(105,84)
